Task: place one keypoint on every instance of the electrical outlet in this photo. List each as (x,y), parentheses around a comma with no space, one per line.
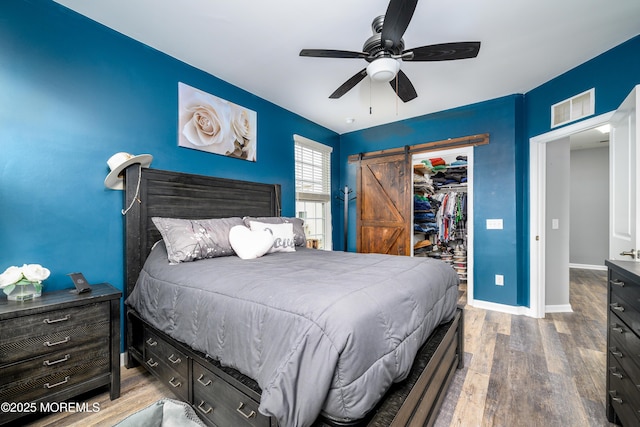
(499,280)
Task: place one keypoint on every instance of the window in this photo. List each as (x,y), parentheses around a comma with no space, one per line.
(313,189)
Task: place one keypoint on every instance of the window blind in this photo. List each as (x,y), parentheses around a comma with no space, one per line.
(313,170)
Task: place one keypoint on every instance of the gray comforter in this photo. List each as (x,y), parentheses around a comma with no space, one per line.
(318,331)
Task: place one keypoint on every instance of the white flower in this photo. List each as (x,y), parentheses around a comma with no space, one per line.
(10,276)
(205,123)
(35,272)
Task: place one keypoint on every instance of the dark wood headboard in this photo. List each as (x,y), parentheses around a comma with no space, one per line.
(181,195)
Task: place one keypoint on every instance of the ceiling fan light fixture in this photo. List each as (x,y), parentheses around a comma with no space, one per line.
(383,69)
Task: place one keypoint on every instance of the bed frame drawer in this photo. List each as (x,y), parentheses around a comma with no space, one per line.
(221,403)
(159,349)
(167,363)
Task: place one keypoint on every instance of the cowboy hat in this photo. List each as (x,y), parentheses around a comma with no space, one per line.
(118,163)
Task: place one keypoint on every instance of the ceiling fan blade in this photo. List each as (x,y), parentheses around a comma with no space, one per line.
(406,91)
(349,84)
(396,21)
(443,52)
(329,53)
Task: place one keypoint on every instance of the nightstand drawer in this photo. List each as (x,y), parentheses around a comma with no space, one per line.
(159,349)
(221,403)
(28,336)
(39,380)
(12,352)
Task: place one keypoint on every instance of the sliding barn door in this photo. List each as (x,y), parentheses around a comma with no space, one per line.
(384,205)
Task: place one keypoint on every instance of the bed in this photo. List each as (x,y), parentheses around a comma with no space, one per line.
(305,365)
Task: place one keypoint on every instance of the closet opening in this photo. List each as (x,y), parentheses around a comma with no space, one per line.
(442,219)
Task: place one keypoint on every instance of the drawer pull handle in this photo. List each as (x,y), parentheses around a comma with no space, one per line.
(151,363)
(617,307)
(204,411)
(52,344)
(617,328)
(151,342)
(202,382)
(64,359)
(617,283)
(62,319)
(614,396)
(174,385)
(616,353)
(174,359)
(247,416)
(615,372)
(66,380)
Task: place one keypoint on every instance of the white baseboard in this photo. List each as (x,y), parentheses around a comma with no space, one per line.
(588,266)
(560,308)
(509,309)
(519,310)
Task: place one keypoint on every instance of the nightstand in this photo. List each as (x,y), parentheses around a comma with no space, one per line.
(58,346)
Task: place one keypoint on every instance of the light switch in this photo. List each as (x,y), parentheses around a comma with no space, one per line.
(555,223)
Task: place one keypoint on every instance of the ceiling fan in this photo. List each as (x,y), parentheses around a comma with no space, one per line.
(385,48)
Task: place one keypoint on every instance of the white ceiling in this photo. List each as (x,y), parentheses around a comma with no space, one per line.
(255,45)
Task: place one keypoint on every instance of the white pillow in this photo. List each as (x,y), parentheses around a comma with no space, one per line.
(283,239)
(250,244)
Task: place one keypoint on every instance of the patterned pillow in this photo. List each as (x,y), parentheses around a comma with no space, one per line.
(298,226)
(193,239)
(282,235)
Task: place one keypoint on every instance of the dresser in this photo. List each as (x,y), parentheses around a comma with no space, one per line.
(56,347)
(623,343)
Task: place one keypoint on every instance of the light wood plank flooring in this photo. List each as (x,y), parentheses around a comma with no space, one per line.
(521,371)
(518,371)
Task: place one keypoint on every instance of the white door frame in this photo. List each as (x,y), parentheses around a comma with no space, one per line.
(537,206)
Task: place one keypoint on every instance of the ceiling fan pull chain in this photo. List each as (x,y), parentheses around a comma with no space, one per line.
(370,107)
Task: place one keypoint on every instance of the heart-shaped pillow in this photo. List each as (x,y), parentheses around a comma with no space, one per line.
(249,244)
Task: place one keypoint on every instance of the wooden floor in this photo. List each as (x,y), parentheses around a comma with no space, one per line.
(518,371)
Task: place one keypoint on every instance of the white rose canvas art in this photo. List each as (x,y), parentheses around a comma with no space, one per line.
(214,125)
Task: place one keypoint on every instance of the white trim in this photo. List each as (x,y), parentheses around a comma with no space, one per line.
(503,308)
(561,308)
(315,145)
(588,266)
(537,194)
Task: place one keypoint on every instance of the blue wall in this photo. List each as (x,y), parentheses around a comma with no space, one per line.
(73,93)
(613,75)
(496,185)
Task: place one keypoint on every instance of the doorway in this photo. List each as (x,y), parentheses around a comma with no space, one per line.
(538,232)
(450,156)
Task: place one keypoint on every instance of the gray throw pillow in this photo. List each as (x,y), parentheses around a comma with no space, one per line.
(298,225)
(194,239)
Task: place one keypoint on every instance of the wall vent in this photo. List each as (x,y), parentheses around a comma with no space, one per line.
(574,108)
